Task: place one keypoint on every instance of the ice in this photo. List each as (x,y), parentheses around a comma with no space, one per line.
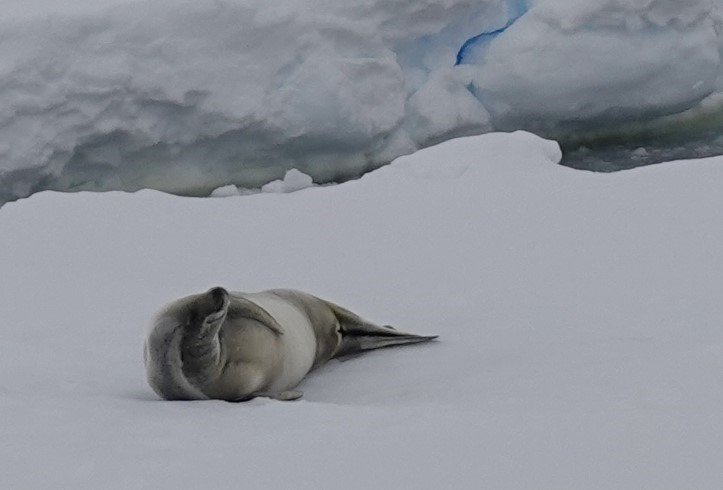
(293,181)
(187,97)
(579,63)
(473,50)
(640,152)
(226,191)
(579,317)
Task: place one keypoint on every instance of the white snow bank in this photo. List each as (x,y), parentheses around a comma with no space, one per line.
(579,317)
(191,96)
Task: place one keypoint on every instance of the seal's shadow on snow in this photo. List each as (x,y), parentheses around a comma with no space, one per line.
(385,376)
(146,395)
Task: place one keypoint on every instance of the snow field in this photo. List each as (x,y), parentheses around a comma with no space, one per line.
(578,313)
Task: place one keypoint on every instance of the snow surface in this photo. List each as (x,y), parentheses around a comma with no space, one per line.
(188,96)
(579,320)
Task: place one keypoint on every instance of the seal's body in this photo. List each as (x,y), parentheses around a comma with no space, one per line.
(236,346)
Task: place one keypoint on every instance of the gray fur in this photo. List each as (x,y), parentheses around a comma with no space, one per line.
(221,345)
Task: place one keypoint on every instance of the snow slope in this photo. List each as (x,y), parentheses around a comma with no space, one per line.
(190,96)
(579,317)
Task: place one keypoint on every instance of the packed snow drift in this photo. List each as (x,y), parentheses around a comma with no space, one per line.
(579,317)
(187,97)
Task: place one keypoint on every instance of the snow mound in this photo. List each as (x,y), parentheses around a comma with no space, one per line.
(225,191)
(293,181)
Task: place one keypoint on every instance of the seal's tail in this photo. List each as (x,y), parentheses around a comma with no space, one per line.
(360,335)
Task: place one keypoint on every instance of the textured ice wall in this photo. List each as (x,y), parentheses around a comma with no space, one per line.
(589,62)
(189,96)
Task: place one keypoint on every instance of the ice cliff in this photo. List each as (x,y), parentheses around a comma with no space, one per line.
(188,96)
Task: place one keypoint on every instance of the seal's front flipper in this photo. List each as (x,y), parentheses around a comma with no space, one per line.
(288,395)
(245,308)
(284,396)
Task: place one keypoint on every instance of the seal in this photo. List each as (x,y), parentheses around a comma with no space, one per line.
(236,346)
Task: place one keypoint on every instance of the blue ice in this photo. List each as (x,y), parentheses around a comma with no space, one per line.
(473,49)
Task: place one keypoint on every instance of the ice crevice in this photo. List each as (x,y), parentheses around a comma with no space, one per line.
(517,9)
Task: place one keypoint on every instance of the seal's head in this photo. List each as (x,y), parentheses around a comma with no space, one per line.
(182,348)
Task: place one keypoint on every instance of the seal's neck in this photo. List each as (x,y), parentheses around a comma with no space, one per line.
(201,347)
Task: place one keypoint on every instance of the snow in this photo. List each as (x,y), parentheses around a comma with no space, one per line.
(187,97)
(293,181)
(225,191)
(578,313)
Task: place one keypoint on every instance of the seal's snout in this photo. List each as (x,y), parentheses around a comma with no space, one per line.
(219,297)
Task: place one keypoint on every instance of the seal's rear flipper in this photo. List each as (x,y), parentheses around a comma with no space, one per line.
(358,334)
(359,337)
(361,342)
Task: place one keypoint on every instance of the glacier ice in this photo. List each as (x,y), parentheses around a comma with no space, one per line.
(188,97)
(473,49)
